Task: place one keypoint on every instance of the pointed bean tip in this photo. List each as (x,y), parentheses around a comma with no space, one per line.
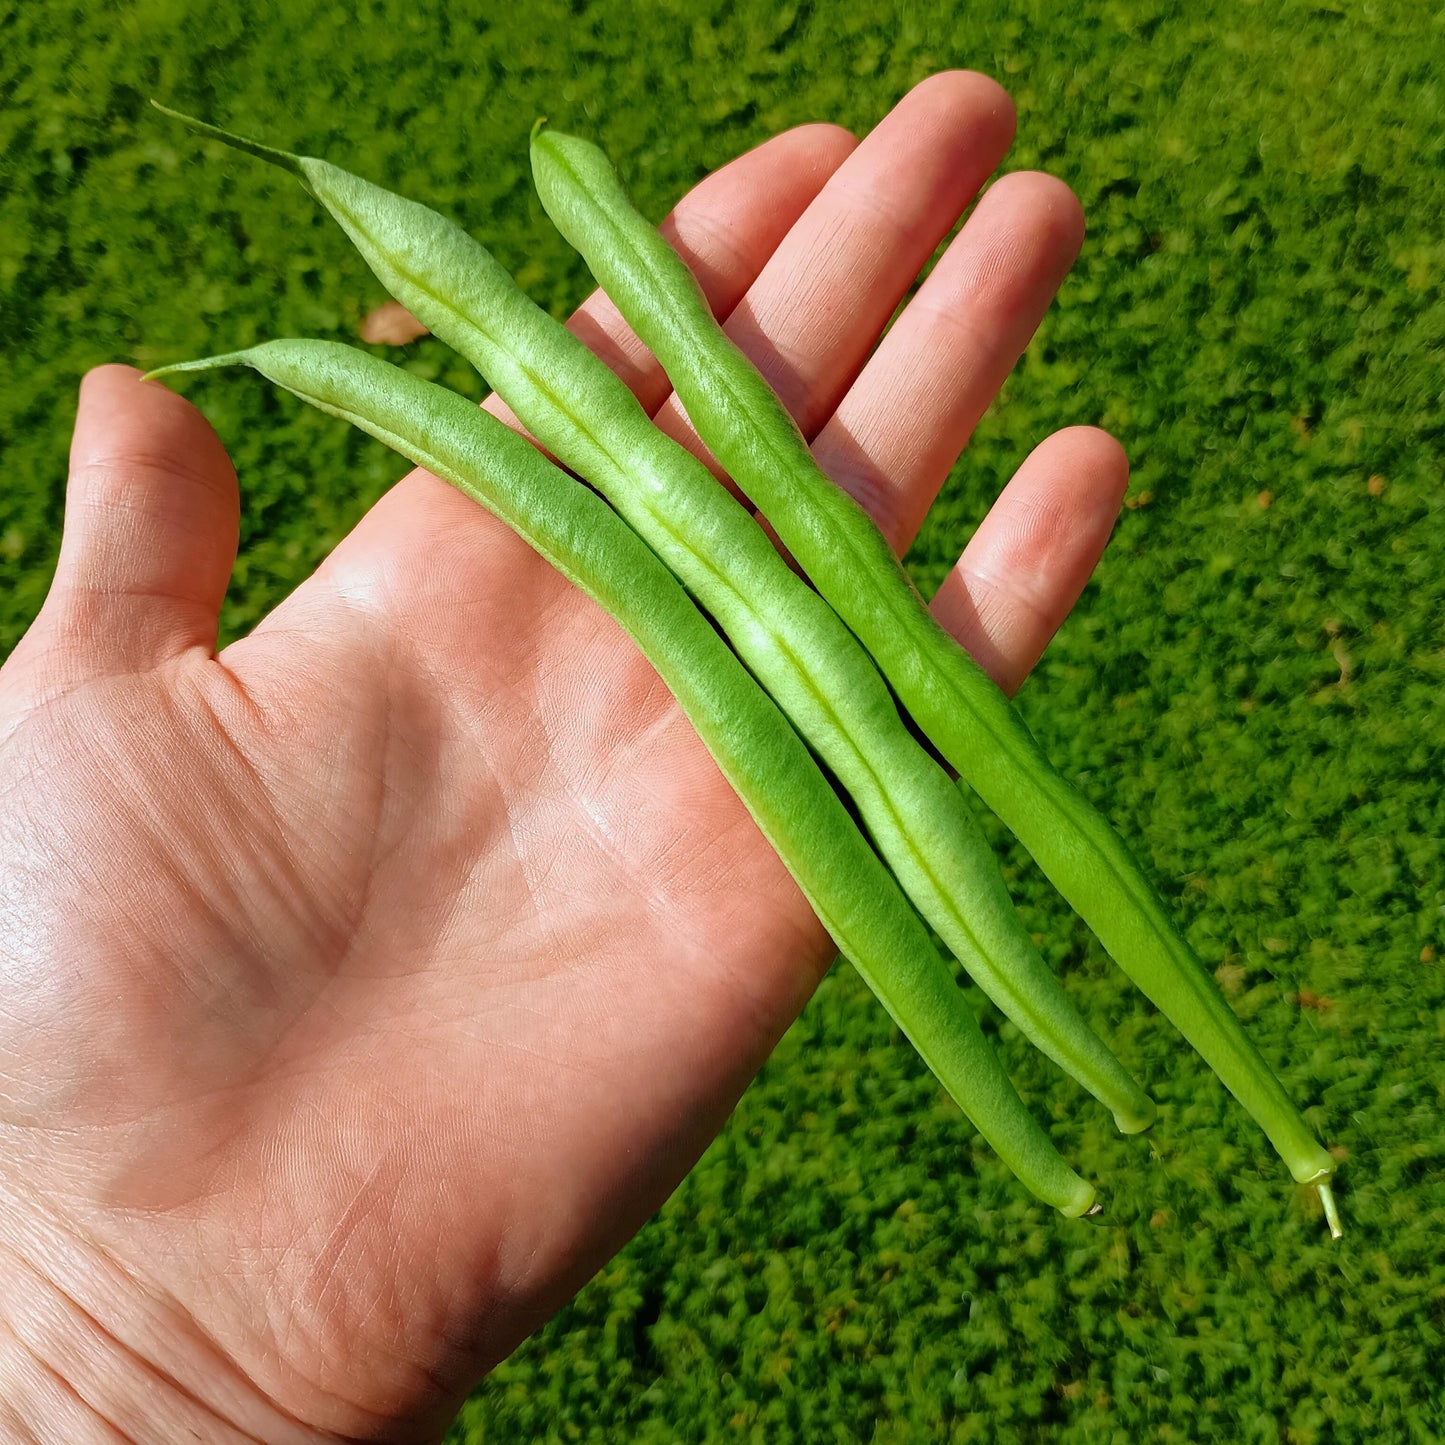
(205,363)
(285,159)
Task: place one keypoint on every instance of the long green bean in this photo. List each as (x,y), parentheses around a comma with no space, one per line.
(753,744)
(835,542)
(789,637)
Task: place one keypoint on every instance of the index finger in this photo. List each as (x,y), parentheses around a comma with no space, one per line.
(726,228)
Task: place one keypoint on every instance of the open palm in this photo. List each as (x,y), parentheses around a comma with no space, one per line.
(364,986)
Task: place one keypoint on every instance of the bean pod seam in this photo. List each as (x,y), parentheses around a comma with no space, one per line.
(958,707)
(755,747)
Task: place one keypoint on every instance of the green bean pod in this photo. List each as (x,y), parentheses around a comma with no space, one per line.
(968,719)
(787,635)
(754,746)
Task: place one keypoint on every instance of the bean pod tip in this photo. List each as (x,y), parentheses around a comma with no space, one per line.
(284,159)
(208,363)
(1139,1122)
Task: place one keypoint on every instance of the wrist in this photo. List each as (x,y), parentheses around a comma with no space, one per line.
(87,1355)
(36,1404)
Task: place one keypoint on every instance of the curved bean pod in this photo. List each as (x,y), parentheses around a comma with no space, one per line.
(956,704)
(753,744)
(787,635)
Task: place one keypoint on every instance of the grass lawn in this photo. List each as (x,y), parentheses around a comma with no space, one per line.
(1250,687)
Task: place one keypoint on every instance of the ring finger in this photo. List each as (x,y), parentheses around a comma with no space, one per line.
(895,436)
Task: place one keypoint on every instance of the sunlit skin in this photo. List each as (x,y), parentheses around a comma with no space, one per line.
(367,984)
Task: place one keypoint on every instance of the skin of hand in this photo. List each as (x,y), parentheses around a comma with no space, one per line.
(365,985)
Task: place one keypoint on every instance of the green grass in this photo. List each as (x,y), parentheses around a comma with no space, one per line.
(1250,687)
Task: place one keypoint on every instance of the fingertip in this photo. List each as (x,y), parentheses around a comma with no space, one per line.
(726,228)
(1032,554)
(120,413)
(820,137)
(808,154)
(152,513)
(1097,453)
(973,91)
(1060,506)
(101,379)
(1001,103)
(1056,215)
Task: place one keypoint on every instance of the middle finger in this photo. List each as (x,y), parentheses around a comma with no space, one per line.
(810,319)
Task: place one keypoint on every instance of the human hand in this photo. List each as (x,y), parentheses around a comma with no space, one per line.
(363,987)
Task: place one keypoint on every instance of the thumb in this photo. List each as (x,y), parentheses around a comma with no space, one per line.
(152,516)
